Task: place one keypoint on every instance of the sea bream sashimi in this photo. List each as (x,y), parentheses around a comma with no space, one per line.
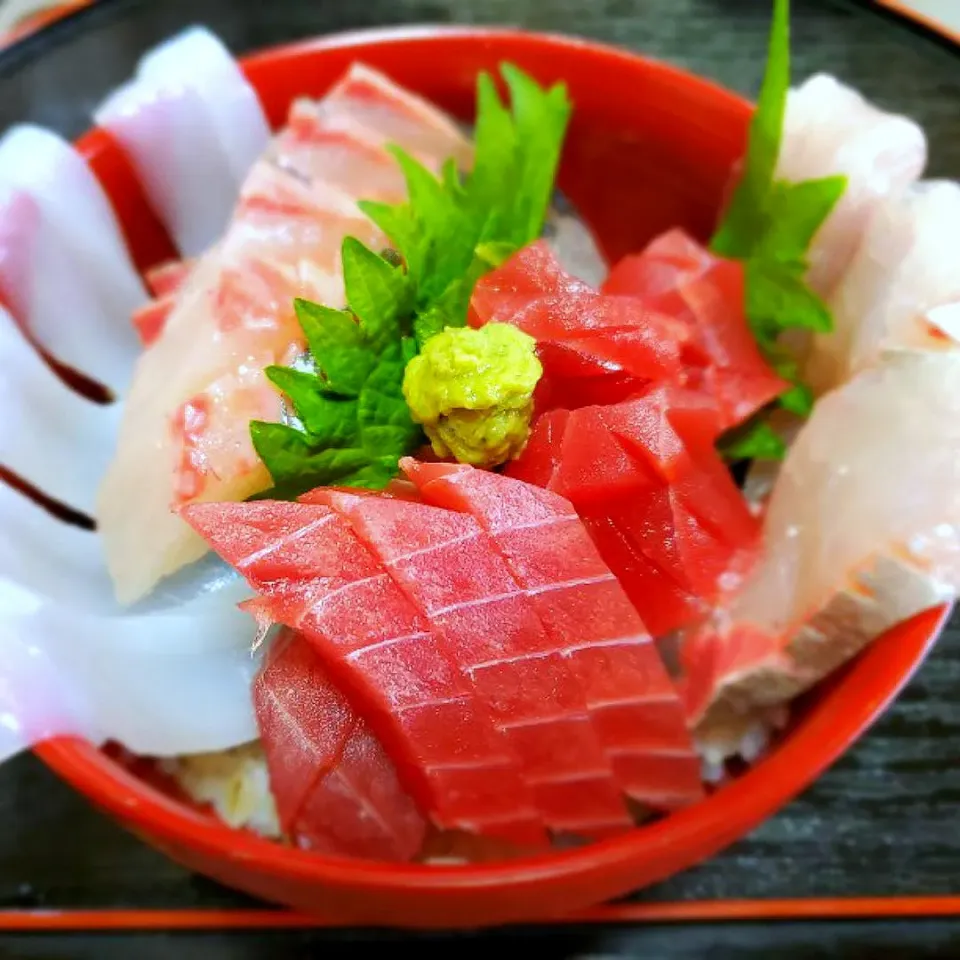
(185,436)
(453,573)
(902,288)
(847,553)
(344,137)
(316,576)
(660,506)
(631,700)
(336,790)
(829,128)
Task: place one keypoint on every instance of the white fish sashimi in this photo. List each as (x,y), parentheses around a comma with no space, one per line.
(64,264)
(831,129)
(159,685)
(903,287)
(862,532)
(192,127)
(197,58)
(53,438)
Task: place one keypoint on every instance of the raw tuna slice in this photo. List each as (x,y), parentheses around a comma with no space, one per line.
(605,347)
(846,553)
(336,789)
(631,699)
(677,276)
(503,649)
(316,576)
(184,436)
(660,506)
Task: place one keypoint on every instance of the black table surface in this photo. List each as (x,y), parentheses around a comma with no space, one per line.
(881,822)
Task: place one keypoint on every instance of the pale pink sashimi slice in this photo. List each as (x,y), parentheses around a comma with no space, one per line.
(831,129)
(335,787)
(319,578)
(632,702)
(167,277)
(902,289)
(848,552)
(233,316)
(503,650)
(397,116)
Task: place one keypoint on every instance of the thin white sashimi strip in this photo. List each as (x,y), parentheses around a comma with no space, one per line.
(75,284)
(49,435)
(158,685)
(198,59)
(178,155)
(831,129)
(192,126)
(64,563)
(903,288)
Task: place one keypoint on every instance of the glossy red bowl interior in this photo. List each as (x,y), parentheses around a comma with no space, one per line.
(650,147)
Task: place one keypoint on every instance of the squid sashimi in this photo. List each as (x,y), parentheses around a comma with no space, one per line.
(847,553)
(161,685)
(650,488)
(631,699)
(185,432)
(336,789)
(830,129)
(677,276)
(505,651)
(902,289)
(318,577)
(192,126)
(53,438)
(61,244)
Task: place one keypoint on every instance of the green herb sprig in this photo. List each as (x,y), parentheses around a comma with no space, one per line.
(769,225)
(352,422)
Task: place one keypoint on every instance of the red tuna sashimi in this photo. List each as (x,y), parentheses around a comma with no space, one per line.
(632,701)
(660,506)
(335,788)
(594,348)
(676,275)
(451,570)
(317,577)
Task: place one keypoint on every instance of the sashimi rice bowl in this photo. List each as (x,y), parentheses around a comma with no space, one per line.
(458,476)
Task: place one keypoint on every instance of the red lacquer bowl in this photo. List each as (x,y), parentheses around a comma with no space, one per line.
(650,147)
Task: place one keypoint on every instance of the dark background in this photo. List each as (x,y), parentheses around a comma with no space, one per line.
(882,821)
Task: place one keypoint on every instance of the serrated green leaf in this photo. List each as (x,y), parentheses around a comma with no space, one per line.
(337,346)
(328,418)
(379,294)
(757,440)
(796,213)
(798,399)
(779,299)
(747,216)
